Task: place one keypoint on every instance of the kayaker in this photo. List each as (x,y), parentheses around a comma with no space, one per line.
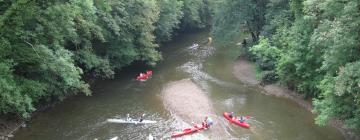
(204,123)
(241,119)
(149,72)
(231,115)
(141,75)
(141,117)
(207,122)
(128,117)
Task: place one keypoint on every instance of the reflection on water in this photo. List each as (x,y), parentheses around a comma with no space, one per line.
(84,118)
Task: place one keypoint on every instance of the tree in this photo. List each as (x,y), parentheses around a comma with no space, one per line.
(234,16)
(340,97)
(196,14)
(48,48)
(319,45)
(170,15)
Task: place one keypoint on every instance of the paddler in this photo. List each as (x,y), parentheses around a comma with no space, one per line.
(149,72)
(207,122)
(141,117)
(142,75)
(128,117)
(231,115)
(241,119)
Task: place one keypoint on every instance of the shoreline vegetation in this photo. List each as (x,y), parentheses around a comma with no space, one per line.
(308,46)
(244,71)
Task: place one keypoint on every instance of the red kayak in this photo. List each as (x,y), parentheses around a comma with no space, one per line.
(195,128)
(236,121)
(144,76)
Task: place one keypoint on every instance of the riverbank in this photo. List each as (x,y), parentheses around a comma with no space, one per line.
(185,100)
(244,71)
(8,126)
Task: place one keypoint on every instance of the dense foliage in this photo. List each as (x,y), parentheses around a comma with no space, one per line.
(311,45)
(48,47)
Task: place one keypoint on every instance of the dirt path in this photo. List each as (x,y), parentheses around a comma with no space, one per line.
(244,71)
(185,100)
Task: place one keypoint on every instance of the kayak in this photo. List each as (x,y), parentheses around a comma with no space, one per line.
(134,121)
(195,128)
(144,76)
(114,138)
(235,121)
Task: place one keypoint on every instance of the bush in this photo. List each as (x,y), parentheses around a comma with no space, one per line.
(269,77)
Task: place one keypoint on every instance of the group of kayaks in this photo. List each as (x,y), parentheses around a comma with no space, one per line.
(198,127)
(195,128)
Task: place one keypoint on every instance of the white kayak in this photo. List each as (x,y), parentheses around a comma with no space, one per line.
(114,138)
(134,121)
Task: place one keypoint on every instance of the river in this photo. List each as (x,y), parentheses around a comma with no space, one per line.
(210,67)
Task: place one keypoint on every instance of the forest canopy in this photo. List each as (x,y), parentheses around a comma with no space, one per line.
(47,48)
(311,46)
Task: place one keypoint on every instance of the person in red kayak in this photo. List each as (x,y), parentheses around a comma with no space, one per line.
(142,75)
(207,122)
(204,123)
(231,115)
(241,119)
(149,72)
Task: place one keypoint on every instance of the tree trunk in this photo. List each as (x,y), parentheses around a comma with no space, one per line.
(254,37)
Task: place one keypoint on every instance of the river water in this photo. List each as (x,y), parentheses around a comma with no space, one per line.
(210,67)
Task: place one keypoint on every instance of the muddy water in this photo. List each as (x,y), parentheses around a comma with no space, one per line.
(84,118)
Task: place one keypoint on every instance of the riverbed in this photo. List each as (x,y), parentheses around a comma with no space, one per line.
(209,67)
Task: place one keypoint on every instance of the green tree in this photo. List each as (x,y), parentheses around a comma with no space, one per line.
(236,16)
(319,45)
(338,32)
(48,48)
(170,15)
(265,54)
(197,14)
(340,96)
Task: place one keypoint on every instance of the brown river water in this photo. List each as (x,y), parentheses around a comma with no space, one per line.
(210,68)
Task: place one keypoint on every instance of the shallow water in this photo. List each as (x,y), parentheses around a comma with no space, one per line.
(84,118)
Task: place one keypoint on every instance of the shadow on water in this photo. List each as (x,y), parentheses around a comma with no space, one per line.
(84,118)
